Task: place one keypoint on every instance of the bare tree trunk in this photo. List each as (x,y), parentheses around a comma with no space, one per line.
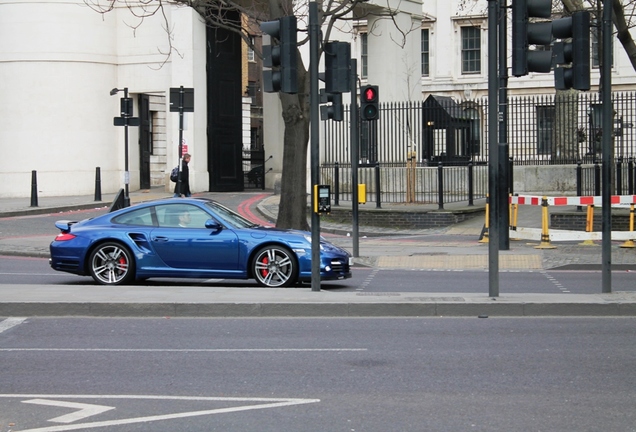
(292,212)
(565,125)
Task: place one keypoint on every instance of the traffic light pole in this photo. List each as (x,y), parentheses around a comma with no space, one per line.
(180,158)
(504,214)
(493,152)
(314,118)
(354,127)
(126,172)
(606,98)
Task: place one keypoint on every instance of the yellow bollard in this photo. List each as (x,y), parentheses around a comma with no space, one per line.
(514,213)
(484,231)
(630,243)
(545,220)
(589,225)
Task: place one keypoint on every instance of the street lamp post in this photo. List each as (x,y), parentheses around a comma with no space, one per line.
(125,120)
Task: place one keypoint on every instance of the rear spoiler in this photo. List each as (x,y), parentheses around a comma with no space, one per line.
(64,225)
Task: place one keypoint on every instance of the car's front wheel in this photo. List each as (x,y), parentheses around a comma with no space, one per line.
(275,266)
(112,264)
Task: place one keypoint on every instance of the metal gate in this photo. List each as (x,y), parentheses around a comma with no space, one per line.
(254,169)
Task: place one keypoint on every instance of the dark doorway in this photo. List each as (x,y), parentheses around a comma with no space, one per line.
(224,108)
(145,141)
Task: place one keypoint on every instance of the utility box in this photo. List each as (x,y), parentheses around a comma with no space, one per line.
(362,193)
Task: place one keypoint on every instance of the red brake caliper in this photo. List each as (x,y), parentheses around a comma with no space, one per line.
(122,263)
(264,272)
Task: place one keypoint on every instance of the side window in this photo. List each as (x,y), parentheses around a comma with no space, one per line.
(181,215)
(135,217)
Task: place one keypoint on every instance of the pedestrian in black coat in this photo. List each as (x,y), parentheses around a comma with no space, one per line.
(183,189)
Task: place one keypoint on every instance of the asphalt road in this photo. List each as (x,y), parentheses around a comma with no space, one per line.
(439,374)
(36,271)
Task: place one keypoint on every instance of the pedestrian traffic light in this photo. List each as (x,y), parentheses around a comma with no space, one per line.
(573,56)
(280,55)
(369,109)
(335,111)
(526,33)
(337,67)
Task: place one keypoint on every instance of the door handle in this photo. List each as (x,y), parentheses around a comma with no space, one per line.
(160,239)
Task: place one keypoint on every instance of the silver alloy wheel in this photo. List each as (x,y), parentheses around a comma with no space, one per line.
(275,266)
(111,264)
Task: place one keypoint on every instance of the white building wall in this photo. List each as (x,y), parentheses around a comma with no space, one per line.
(58,62)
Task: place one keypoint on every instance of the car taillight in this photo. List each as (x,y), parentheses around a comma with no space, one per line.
(64,237)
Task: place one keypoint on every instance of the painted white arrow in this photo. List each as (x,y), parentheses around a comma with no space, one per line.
(85,410)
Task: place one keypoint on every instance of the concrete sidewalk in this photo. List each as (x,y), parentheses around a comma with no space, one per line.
(205,301)
(455,247)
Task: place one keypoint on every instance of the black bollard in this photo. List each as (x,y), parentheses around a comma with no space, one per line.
(98,184)
(34,188)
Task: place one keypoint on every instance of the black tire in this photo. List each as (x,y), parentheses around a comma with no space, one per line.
(275,267)
(112,263)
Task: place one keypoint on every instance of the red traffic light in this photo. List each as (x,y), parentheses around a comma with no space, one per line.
(369,101)
(370,94)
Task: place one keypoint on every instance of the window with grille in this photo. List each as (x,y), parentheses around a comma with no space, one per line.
(425,52)
(545,128)
(364,55)
(471,50)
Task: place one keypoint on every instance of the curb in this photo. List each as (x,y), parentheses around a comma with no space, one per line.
(313,310)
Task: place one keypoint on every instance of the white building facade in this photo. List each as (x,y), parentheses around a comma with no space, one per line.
(58,62)
(59,59)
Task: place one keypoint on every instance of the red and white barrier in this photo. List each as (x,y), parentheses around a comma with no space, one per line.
(567,235)
(571,200)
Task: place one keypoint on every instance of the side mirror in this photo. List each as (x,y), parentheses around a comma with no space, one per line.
(213,225)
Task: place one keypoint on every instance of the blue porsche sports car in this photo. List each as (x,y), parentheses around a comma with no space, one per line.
(189,238)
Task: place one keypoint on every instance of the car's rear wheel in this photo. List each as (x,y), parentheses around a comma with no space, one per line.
(112,264)
(275,266)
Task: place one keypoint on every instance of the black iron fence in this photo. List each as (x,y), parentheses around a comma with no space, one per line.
(398,183)
(551,129)
(436,151)
(589,182)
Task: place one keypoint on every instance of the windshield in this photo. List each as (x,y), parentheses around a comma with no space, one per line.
(229,216)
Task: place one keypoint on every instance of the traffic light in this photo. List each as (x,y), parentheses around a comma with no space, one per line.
(337,67)
(525,33)
(335,111)
(280,54)
(573,57)
(369,109)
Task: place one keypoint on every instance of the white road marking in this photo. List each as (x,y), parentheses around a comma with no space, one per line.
(10,322)
(256,403)
(85,410)
(187,350)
